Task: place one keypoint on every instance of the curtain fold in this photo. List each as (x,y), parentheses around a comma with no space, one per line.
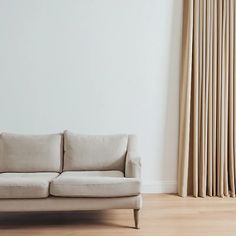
(207,129)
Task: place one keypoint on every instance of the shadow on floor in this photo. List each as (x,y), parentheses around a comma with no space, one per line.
(59,219)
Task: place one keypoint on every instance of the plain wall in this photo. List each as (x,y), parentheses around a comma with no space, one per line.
(95,67)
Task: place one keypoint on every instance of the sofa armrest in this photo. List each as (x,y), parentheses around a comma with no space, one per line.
(133,160)
(133,166)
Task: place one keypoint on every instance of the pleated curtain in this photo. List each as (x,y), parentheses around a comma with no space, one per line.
(207,130)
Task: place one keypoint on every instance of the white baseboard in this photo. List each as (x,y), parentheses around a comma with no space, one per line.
(160,187)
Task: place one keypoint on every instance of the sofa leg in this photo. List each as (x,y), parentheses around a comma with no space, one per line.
(136,218)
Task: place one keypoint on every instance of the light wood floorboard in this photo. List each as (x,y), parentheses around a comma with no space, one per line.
(162,214)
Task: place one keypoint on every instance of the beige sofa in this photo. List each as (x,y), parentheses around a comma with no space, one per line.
(69,172)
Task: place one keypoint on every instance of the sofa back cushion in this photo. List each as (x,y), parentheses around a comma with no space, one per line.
(30,153)
(94,152)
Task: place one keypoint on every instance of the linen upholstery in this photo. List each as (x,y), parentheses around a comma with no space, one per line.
(79,184)
(69,204)
(25,185)
(30,153)
(94,152)
(133,160)
(94,173)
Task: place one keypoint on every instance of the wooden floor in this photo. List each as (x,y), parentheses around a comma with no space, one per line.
(163,215)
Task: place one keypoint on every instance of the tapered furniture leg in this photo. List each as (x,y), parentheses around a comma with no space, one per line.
(136,218)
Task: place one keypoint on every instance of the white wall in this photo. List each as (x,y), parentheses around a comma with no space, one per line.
(95,66)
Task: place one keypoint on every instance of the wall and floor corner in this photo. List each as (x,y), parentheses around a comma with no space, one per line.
(106,66)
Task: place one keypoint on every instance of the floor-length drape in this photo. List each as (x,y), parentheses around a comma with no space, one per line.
(207,130)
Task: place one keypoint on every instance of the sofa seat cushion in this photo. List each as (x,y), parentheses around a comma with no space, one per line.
(25,185)
(94,184)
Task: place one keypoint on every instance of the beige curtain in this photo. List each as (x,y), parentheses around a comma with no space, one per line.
(207,135)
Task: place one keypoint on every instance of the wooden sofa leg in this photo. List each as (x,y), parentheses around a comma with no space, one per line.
(136,218)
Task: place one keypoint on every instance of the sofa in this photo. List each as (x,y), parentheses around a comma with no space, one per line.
(69,172)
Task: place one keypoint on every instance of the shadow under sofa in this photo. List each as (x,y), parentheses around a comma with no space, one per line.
(69,172)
